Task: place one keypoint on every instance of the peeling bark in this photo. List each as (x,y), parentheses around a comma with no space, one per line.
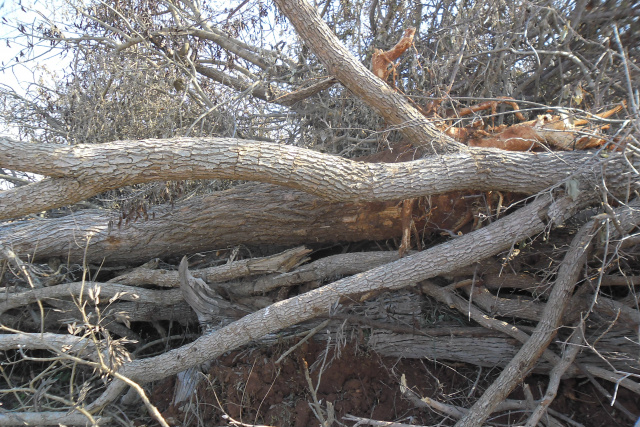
(248,214)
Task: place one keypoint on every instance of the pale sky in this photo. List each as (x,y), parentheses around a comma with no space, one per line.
(12,13)
(36,64)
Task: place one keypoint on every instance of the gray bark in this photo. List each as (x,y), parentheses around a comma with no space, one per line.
(395,108)
(497,351)
(81,171)
(248,214)
(546,329)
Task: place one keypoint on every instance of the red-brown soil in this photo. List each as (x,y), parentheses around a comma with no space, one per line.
(249,387)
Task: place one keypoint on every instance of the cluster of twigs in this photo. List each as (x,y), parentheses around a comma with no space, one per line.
(236,304)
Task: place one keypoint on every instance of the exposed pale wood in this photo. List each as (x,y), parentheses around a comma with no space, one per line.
(382,63)
(208,305)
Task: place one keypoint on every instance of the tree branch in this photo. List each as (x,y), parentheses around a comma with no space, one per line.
(546,329)
(358,79)
(82,171)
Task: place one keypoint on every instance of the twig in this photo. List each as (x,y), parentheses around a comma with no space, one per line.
(426,402)
(311,333)
(573,347)
(315,406)
(240,423)
(589,373)
(632,101)
(376,423)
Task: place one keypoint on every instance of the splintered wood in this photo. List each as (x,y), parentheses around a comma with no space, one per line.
(382,63)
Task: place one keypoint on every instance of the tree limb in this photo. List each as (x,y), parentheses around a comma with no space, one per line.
(546,329)
(358,79)
(85,170)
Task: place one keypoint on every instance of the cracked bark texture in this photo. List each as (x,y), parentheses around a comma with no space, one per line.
(250,214)
(81,171)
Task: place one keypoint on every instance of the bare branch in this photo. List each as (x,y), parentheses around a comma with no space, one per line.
(83,171)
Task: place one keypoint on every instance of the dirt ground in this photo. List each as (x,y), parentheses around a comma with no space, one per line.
(249,387)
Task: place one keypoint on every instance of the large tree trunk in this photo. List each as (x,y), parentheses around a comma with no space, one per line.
(80,172)
(249,214)
(260,214)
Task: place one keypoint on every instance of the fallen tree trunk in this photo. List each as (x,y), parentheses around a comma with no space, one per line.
(263,214)
(248,214)
(82,171)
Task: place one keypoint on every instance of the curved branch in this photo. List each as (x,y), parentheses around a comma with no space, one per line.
(259,90)
(82,171)
(290,98)
(232,45)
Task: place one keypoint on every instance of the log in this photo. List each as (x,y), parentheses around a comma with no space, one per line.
(497,351)
(248,214)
